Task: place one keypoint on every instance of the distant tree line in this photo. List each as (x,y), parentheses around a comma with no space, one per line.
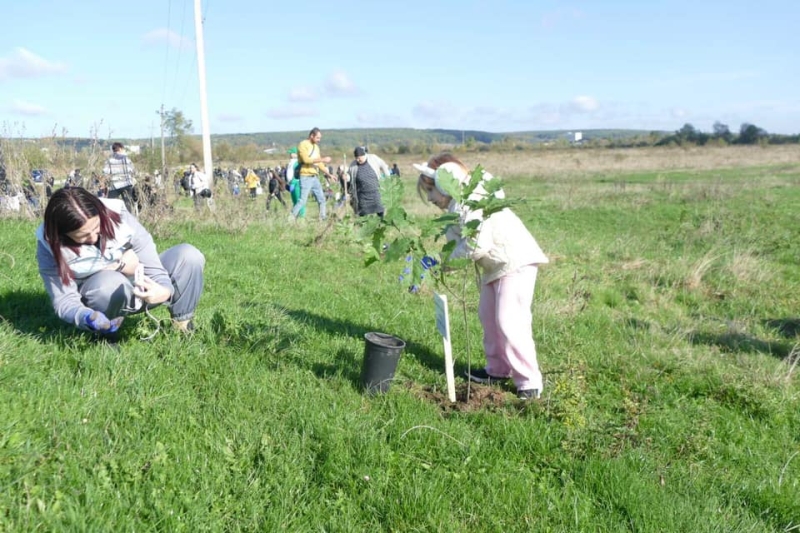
(60,154)
(749,134)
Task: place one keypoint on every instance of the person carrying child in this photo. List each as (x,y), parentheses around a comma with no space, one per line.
(508,257)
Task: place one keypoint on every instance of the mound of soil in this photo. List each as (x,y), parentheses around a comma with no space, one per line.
(470,397)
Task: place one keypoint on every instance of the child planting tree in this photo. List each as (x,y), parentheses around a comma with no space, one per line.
(483,230)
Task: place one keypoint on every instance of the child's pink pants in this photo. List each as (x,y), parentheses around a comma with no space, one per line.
(505,313)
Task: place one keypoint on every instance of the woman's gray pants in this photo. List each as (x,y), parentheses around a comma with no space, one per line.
(112,292)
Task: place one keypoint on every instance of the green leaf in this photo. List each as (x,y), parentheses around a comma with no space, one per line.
(472,225)
(493,185)
(449,184)
(371,255)
(398,249)
(449,218)
(377,238)
(475,178)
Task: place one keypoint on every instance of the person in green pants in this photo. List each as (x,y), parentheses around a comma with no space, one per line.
(293,180)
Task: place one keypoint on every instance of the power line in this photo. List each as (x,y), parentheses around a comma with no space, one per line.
(180,48)
(166,57)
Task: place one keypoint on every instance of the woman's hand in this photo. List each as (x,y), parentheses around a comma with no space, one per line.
(127,263)
(131,261)
(151,292)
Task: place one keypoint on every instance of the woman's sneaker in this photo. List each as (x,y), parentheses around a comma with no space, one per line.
(184,326)
(482,376)
(528,394)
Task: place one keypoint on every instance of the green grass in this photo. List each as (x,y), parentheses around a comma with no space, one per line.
(667,327)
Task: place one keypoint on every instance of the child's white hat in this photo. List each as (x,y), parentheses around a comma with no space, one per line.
(454,169)
(425,170)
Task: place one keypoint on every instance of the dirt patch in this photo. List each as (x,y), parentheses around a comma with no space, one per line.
(470,397)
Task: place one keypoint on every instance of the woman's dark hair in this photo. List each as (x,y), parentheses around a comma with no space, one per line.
(68,210)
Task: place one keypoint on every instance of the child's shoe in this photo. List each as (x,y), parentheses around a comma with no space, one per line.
(528,394)
(482,376)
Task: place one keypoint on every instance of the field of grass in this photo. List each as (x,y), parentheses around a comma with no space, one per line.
(667,327)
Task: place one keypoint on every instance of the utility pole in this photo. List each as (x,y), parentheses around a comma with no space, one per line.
(163,152)
(201,72)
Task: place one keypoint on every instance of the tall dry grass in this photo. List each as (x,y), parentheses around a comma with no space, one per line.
(578,160)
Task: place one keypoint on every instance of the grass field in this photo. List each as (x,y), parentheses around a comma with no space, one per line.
(667,327)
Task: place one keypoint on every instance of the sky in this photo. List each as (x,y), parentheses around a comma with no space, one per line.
(87,68)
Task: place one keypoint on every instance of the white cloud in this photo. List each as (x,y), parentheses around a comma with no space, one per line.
(303,94)
(168,37)
(230,117)
(431,111)
(23,63)
(760,106)
(698,78)
(340,84)
(291,112)
(21,107)
(544,115)
(380,120)
(488,111)
(677,112)
(583,104)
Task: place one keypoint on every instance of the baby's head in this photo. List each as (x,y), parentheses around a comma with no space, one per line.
(428,186)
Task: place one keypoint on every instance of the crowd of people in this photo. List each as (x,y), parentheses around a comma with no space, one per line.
(356,184)
(300,178)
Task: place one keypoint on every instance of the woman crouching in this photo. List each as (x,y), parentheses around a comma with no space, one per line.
(88,252)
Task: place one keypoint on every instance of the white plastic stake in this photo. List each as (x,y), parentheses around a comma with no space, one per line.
(443,325)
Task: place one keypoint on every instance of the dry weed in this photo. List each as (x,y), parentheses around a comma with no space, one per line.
(636,264)
(748,268)
(694,279)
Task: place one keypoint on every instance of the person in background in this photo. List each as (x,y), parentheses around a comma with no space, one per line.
(275,186)
(293,180)
(198,183)
(31,194)
(120,180)
(344,184)
(311,162)
(149,194)
(177,178)
(88,250)
(508,257)
(365,190)
(395,171)
(51,182)
(251,181)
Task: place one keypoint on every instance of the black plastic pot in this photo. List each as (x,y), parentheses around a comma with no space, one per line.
(381,355)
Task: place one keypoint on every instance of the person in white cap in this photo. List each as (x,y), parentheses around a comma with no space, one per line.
(508,257)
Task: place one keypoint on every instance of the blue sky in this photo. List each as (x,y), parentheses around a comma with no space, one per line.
(88,67)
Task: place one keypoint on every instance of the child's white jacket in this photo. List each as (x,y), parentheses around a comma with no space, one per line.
(503,244)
